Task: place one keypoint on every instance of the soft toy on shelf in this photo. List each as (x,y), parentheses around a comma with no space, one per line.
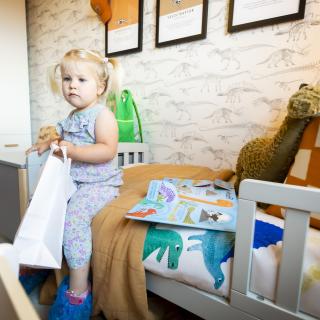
(269,159)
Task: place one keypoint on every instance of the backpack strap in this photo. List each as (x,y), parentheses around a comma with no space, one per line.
(138,118)
(128,92)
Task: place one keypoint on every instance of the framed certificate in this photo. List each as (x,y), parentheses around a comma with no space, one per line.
(180,21)
(124,29)
(247,14)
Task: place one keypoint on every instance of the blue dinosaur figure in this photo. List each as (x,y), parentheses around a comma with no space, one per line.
(215,245)
(163,239)
(218,246)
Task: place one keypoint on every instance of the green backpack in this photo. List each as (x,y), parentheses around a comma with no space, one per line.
(123,108)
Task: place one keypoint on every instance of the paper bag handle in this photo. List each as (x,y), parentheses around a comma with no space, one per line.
(54,147)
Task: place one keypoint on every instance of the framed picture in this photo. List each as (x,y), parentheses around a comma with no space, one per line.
(180,21)
(247,14)
(124,29)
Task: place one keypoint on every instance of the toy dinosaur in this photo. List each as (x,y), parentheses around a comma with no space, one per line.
(269,159)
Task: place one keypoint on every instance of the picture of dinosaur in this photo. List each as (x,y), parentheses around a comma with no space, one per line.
(163,239)
(218,246)
(150,203)
(215,245)
(142,213)
(213,216)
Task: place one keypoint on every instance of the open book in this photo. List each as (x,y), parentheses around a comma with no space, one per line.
(194,203)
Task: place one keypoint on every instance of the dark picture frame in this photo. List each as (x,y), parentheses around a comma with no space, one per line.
(248,13)
(179,21)
(125,28)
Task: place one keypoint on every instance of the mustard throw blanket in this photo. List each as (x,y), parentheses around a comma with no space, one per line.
(119,287)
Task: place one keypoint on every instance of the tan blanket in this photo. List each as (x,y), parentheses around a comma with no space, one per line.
(119,287)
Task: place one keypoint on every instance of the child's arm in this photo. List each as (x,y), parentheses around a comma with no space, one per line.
(105,148)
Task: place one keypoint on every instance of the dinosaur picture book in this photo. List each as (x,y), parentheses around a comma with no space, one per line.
(201,204)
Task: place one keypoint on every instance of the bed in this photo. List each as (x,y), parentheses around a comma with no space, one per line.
(120,278)
(14,303)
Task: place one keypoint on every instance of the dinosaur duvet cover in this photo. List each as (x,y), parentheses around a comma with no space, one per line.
(203,259)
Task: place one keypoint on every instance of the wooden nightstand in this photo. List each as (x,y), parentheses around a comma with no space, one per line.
(13,191)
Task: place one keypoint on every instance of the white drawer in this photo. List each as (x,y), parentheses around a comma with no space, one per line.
(14,142)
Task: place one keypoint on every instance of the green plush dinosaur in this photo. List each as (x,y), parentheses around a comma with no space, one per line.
(269,159)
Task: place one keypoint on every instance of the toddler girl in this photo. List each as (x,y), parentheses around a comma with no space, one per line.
(90,133)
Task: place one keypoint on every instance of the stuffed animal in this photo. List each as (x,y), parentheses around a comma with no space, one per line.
(269,159)
(47,133)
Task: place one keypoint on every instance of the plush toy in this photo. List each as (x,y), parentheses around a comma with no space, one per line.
(47,133)
(269,159)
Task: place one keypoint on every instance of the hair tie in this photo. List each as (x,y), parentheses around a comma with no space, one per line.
(105,60)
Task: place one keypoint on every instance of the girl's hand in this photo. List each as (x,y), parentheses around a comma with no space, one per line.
(70,147)
(40,147)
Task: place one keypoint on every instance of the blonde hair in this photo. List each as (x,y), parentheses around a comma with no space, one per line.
(107,69)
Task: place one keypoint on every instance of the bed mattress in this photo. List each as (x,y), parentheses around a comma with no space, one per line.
(203,259)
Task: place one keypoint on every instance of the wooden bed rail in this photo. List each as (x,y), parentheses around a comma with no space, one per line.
(300,201)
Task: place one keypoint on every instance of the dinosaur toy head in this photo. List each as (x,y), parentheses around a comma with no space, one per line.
(305,103)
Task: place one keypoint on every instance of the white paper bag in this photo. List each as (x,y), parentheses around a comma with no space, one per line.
(40,234)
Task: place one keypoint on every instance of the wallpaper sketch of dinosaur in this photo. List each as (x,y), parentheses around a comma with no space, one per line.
(310,66)
(298,31)
(282,56)
(187,140)
(228,57)
(233,95)
(202,77)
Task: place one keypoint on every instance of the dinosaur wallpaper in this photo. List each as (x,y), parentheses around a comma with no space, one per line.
(201,101)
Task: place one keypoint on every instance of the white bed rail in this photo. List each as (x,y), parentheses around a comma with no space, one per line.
(300,201)
(131,153)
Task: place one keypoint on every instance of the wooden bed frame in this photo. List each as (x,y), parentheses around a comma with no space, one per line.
(242,304)
(14,303)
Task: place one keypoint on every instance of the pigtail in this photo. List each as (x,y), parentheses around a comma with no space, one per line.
(54,85)
(115,74)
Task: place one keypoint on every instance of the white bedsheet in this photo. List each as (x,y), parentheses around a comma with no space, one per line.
(193,270)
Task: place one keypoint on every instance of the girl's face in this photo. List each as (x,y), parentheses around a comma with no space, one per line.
(80,85)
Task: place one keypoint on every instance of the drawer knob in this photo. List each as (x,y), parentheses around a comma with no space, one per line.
(11,145)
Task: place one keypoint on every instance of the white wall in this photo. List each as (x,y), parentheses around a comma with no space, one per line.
(14,83)
(199,101)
